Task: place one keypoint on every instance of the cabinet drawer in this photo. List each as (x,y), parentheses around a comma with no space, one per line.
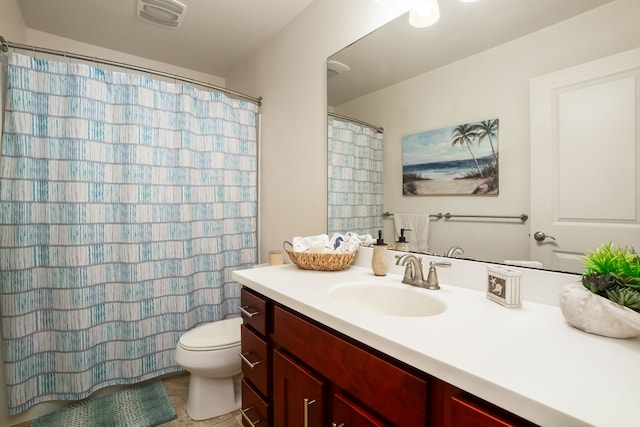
(391,392)
(255,410)
(254,310)
(256,359)
(466,412)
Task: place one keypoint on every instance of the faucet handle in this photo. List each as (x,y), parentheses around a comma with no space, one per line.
(401,259)
(439,264)
(432,277)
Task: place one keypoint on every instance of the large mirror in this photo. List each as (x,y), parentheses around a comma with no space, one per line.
(476,63)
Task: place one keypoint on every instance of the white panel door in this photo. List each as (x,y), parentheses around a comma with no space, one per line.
(585,160)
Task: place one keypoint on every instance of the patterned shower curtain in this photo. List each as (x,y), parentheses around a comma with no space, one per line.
(355,193)
(125,204)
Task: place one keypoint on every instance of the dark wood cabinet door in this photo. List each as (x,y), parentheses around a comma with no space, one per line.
(347,413)
(297,394)
(452,407)
(469,413)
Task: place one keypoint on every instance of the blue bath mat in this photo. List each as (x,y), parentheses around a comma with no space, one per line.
(139,406)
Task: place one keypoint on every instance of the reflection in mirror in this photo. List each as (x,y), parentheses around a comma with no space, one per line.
(354,185)
(475,63)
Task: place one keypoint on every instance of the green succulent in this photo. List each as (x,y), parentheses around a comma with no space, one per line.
(598,283)
(614,273)
(611,259)
(625,296)
(627,281)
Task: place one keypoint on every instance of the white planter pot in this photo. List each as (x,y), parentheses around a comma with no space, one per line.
(597,315)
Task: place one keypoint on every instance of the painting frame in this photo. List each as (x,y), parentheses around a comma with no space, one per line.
(454,160)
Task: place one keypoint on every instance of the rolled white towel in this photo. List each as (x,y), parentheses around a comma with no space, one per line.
(312,244)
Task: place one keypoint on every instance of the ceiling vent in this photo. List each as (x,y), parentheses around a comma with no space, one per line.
(166,13)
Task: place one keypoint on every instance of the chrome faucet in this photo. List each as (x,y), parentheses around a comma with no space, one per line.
(413,274)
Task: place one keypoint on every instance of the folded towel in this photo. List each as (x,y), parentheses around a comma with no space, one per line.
(314,244)
(523,263)
(365,239)
(418,237)
(337,244)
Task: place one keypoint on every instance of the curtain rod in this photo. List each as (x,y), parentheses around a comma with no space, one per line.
(5,45)
(378,129)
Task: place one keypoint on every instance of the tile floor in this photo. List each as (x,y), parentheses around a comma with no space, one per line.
(177,387)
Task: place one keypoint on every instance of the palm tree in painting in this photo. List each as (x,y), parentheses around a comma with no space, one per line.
(465,135)
(487,129)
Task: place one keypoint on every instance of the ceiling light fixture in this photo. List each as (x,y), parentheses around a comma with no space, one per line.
(424,13)
(334,68)
(166,13)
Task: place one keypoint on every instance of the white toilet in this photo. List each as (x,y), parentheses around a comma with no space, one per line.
(211,353)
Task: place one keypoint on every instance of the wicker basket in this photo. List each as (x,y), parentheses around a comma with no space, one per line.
(319,262)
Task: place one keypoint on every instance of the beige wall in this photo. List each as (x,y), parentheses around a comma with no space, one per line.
(290,74)
(492,84)
(12,26)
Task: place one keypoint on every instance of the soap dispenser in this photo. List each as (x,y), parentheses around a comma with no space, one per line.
(402,244)
(380,258)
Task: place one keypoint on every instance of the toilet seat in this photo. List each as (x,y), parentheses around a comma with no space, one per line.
(218,335)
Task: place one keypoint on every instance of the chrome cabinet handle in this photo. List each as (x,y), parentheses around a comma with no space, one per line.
(246,417)
(336,425)
(307,402)
(539,236)
(244,310)
(252,365)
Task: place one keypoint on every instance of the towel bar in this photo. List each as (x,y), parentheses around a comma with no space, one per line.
(521,217)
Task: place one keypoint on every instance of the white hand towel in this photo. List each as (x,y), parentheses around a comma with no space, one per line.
(418,237)
(523,263)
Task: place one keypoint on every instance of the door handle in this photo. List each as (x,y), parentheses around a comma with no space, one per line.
(541,237)
(307,402)
(245,359)
(246,417)
(245,311)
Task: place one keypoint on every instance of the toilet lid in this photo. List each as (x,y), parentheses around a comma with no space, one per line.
(214,335)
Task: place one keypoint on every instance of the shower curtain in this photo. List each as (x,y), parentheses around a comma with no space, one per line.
(125,204)
(355,193)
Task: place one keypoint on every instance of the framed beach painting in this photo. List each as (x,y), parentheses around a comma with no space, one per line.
(455,160)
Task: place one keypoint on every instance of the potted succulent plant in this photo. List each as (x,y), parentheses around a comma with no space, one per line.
(607,302)
(614,273)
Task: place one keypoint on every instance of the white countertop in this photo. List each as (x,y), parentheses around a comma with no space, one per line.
(526,360)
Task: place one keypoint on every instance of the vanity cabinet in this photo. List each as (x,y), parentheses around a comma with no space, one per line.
(301,373)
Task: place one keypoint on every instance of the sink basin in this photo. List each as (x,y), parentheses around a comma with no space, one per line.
(402,300)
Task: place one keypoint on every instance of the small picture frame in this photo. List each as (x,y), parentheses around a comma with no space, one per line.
(503,286)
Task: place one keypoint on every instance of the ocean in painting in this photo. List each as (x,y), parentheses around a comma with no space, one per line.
(446,170)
